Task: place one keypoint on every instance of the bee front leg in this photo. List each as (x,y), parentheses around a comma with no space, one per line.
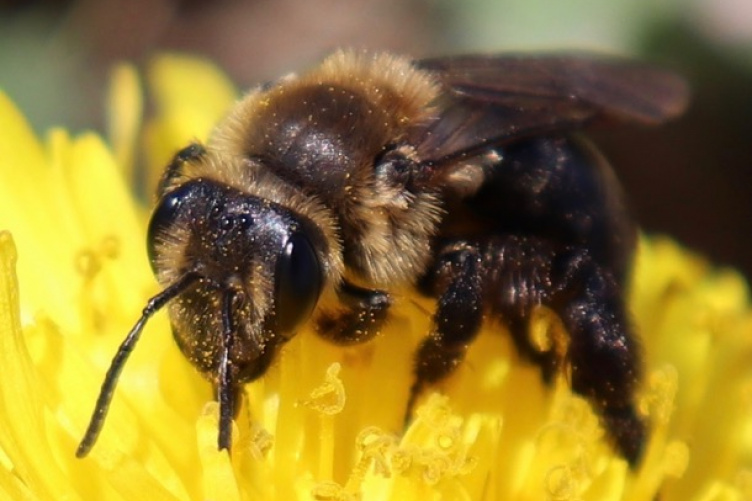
(361,317)
(458,317)
(227,389)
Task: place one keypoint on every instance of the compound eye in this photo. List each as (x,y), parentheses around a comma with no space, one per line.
(298,283)
(165,214)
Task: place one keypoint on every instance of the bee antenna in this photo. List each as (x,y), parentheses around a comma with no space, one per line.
(118,361)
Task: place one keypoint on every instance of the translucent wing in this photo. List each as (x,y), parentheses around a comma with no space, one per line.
(492,100)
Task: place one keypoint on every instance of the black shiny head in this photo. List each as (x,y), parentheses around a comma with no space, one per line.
(241,274)
(267,254)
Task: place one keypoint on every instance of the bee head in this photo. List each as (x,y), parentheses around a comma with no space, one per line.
(259,269)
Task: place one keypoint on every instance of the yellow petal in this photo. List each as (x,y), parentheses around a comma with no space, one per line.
(125,110)
(23,436)
(191,96)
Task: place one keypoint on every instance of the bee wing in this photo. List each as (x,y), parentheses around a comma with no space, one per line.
(493,100)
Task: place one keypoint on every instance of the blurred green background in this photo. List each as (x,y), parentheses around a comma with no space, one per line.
(691,179)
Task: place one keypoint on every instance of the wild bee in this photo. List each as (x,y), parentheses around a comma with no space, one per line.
(460,178)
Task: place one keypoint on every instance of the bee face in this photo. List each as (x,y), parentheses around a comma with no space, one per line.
(252,253)
(458,178)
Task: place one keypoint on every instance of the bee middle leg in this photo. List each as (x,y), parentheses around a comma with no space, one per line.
(457,320)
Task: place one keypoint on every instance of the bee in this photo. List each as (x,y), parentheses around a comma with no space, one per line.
(463,179)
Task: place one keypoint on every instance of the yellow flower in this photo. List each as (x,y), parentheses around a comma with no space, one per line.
(325,422)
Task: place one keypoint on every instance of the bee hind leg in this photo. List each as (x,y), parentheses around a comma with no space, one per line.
(599,351)
(603,354)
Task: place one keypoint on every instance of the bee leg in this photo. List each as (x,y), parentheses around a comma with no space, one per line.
(457,320)
(361,318)
(602,353)
(511,275)
(175,168)
(227,395)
